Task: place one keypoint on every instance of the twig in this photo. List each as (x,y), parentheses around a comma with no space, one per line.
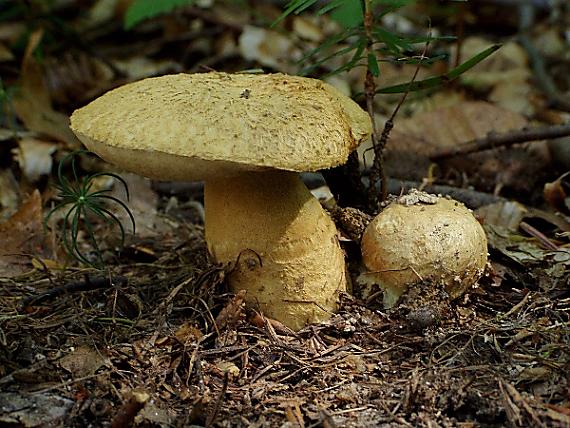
(471,198)
(516,307)
(126,414)
(90,283)
(377,171)
(218,404)
(493,140)
(541,237)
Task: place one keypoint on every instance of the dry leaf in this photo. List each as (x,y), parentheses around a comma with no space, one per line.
(5,53)
(187,333)
(34,157)
(413,140)
(140,67)
(308,29)
(508,214)
(448,127)
(232,312)
(21,237)
(83,361)
(340,83)
(32,102)
(268,48)
(142,203)
(11,32)
(76,77)
(426,132)
(510,63)
(9,194)
(560,151)
(506,73)
(100,13)
(556,195)
(549,42)
(228,367)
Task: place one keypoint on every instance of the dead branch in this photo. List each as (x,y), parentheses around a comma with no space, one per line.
(88,284)
(493,140)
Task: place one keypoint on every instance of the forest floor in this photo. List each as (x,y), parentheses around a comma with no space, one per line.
(155,338)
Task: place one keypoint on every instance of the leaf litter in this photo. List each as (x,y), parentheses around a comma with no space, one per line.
(156,339)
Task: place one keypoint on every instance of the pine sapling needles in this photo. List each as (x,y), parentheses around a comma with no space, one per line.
(82,203)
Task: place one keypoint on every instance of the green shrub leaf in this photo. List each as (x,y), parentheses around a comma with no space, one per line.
(373,65)
(435,81)
(140,10)
(348,13)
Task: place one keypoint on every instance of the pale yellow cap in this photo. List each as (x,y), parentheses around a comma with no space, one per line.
(199,126)
(440,240)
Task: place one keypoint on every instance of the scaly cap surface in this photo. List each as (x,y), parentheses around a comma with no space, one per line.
(440,241)
(196,126)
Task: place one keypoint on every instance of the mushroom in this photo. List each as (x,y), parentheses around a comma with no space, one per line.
(423,237)
(247,136)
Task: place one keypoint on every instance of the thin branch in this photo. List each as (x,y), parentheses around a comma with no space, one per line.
(377,172)
(493,140)
(90,283)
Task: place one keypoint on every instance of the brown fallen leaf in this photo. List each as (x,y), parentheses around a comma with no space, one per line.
(413,140)
(34,157)
(83,361)
(10,197)
(188,333)
(22,237)
(32,102)
(269,48)
(505,74)
(556,195)
(232,312)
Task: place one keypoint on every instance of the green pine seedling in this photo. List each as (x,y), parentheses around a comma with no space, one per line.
(81,202)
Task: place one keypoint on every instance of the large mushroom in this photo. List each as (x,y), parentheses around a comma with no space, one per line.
(247,136)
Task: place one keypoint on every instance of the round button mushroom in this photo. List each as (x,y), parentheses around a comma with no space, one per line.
(247,136)
(423,237)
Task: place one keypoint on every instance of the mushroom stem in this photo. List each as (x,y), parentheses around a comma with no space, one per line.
(283,244)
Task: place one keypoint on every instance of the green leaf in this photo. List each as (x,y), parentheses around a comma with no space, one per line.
(140,10)
(348,13)
(294,7)
(354,62)
(373,65)
(433,82)
(327,49)
(395,43)
(394,4)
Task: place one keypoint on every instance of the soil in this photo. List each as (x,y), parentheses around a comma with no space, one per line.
(155,338)
(162,343)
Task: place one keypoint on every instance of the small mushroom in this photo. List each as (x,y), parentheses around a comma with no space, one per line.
(259,216)
(421,237)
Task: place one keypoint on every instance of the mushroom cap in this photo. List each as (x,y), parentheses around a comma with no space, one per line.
(441,241)
(196,126)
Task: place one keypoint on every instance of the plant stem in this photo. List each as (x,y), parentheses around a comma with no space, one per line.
(377,172)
